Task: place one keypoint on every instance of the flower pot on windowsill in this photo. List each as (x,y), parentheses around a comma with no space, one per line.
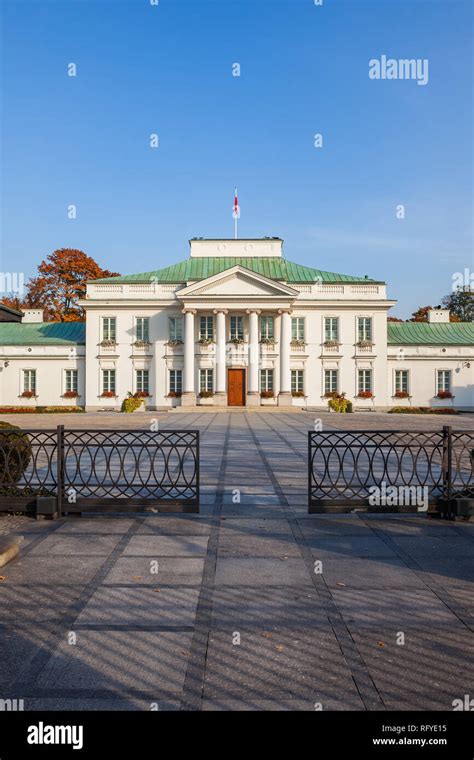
(108,344)
(331,394)
(108,394)
(142,344)
(28,394)
(299,343)
(443,395)
(331,344)
(70,394)
(237,341)
(365,394)
(174,394)
(401,394)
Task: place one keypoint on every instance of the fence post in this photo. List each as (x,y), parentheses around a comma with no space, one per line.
(198,487)
(309,472)
(60,468)
(447,468)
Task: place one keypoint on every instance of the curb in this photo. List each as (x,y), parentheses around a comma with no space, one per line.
(9,548)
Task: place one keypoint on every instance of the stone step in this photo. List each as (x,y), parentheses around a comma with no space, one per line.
(214,409)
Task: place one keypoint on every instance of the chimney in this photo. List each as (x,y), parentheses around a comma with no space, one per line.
(438,316)
(32,315)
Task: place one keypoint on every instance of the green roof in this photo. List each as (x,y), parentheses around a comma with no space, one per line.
(451,333)
(42,334)
(199,268)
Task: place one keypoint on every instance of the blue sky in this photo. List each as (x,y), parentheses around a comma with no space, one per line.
(304,70)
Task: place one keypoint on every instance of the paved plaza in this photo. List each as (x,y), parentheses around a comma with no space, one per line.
(224,610)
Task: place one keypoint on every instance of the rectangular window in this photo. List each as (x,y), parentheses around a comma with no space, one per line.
(331,380)
(443,382)
(176,328)
(364,328)
(206,328)
(109,331)
(266,328)
(364,380)
(143,381)
(297,328)
(331,328)
(143,329)
(108,381)
(176,381)
(236,328)
(266,379)
(401,381)
(206,380)
(29,380)
(297,381)
(71,380)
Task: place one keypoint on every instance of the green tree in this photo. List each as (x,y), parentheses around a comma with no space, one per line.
(461,304)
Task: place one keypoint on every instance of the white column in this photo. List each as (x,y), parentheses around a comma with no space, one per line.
(284,397)
(253,396)
(220,396)
(189,395)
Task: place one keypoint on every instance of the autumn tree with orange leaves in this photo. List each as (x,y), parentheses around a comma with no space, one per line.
(60,283)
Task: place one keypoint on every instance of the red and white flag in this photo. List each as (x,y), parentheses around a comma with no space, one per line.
(236,209)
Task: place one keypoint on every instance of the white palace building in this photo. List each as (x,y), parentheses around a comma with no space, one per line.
(236,324)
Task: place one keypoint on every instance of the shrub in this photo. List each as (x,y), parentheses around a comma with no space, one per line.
(39,409)
(18,409)
(15,453)
(340,404)
(131,403)
(58,409)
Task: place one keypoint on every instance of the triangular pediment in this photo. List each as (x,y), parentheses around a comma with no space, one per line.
(238,282)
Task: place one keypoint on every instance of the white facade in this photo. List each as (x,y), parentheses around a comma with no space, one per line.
(236,324)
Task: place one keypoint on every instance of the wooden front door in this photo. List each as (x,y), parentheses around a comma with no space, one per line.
(236,387)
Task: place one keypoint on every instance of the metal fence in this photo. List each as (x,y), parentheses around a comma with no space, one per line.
(390,470)
(99,470)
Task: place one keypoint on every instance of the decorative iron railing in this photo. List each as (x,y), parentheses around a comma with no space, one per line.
(387,470)
(101,470)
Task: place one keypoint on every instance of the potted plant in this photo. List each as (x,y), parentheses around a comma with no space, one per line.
(365,394)
(205,341)
(267,341)
(107,394)
(29,394)
(175,343)
(331,344)
(401,394)
(109,343)
(331,394)
(236,341)
(364,343)
(174,394)
(141,343)
(297,343)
